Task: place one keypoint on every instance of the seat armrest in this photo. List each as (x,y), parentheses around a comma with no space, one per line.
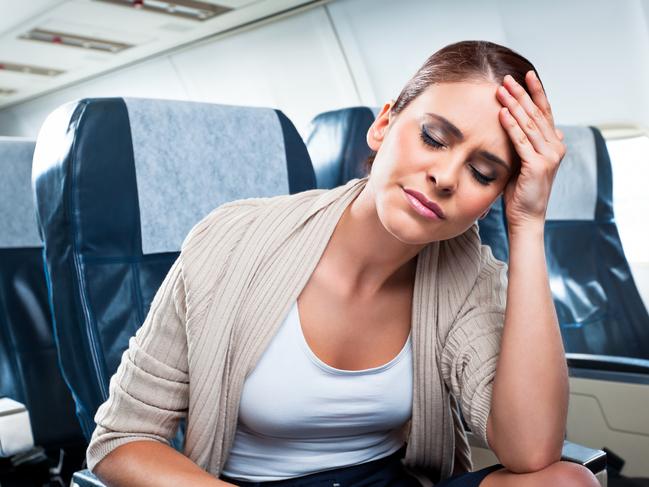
(15,429)
(594,460)
(85,478)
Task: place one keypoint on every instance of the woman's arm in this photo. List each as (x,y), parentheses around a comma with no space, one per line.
(151,464)
(526,426)
(529,406)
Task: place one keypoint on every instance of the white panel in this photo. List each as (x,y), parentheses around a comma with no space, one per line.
(293,64)
(11,124)
(154,79)
(387,41)
(16,12)
(591,55)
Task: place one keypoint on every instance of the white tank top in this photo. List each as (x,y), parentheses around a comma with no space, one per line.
(298,415)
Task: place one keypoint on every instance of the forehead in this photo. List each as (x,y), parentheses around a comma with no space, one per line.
(471,106)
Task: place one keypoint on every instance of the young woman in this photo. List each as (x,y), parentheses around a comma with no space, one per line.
(332,337)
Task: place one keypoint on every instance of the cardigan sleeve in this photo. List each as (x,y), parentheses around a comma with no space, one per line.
(470,352)
(148,395)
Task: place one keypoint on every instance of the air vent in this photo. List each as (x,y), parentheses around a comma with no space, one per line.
(27,69)
(74,40)
(7,92)
(187,9)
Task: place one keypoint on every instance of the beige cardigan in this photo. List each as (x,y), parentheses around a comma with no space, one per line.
(238,273)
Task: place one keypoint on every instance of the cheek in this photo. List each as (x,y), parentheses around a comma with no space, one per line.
(398,151)
(473,203)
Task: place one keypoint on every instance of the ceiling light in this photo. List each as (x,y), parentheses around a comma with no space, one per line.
(29,69)
(187,9)
(74,40)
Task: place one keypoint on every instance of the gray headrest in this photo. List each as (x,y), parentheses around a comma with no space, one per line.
(175,146)
(18,226)
(574,191)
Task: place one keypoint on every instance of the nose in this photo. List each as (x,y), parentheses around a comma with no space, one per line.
(445,176)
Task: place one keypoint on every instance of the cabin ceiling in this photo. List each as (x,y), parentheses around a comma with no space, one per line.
(48,44)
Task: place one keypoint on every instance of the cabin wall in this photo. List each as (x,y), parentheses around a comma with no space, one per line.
(590,55)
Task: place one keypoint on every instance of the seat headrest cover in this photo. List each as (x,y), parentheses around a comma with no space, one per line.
(17,215)
(184,151)
(574,191)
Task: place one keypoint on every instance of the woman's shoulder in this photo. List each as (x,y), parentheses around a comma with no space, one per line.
(465,261)
(222,220)
(228,224)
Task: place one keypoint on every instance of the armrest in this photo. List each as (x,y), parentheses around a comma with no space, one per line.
(609,368)
(85,478)
(594,460)
(15,429)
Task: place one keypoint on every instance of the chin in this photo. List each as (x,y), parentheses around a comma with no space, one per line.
(412,232)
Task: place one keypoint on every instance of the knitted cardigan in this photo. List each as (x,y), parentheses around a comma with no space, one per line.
(238,272)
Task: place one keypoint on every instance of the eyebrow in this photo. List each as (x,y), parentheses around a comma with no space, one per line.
(457,134)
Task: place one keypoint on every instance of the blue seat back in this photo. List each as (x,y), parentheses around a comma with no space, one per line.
(29,371)
(119,183)
(598,305)
(338,147)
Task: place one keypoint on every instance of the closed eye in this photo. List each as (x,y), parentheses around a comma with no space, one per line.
(428,140)
(481,178)
(431,142)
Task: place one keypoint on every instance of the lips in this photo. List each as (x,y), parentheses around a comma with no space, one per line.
(426,202)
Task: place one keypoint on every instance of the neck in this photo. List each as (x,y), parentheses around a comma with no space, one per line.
(366,257)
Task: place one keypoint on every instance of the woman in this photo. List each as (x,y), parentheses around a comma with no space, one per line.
(318,338)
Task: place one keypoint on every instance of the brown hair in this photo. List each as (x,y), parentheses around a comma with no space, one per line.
(462,61)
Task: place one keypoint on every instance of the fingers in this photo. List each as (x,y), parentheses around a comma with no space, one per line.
(532,107)
(534,122)
(520,140)
(531,130)
(538,96)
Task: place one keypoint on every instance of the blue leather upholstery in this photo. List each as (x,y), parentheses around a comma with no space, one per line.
(119,183)
(29,371)
(598,305)
(337,144)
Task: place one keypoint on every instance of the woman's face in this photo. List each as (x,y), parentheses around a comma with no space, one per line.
(444,145)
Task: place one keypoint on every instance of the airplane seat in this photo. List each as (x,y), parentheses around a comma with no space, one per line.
(29,371)
(338,148)
(598,305)
(119,182)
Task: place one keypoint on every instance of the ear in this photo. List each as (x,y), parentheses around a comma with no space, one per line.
(378,129)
